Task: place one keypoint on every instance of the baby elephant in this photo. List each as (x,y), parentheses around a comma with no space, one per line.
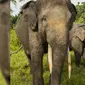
(77,42)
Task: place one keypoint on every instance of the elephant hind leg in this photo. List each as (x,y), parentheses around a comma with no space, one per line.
(77,59)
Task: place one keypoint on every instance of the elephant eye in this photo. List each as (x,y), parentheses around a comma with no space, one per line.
(44,18)
(26,18)
(21,12)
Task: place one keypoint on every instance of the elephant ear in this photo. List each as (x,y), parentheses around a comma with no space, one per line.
(31,15)
(80,33)
(27,20)
(73,12)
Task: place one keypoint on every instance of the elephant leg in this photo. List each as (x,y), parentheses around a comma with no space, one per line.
(59,54)
(37,65)
(29,59)
(77,58)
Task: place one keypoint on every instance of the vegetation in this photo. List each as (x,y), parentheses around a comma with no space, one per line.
(80,13)
(19,65)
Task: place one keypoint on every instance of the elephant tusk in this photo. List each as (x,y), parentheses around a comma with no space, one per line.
(50,58)
(69,64)
(50,61)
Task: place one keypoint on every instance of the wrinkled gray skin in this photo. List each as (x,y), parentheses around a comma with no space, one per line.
(45,22)
(4,39)
(77,42)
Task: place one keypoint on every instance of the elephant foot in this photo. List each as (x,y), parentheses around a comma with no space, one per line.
(37,74)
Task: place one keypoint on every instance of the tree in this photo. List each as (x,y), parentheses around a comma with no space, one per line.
(14,1)
(80,12)
(13,20)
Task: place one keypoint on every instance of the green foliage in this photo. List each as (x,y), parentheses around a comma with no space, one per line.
(14,42)
(80,13)
(13,21)
(13,1)
(2,80)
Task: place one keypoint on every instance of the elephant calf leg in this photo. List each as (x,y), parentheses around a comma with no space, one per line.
(37,68)
(77,59)
(58,62)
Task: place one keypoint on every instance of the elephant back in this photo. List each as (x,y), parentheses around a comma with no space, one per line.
(78,31)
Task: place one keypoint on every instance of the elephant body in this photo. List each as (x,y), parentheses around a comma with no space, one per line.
(77,41)
(42,23)
(4,39)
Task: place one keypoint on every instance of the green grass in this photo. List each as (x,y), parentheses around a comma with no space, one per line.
(2,80)
(20,70)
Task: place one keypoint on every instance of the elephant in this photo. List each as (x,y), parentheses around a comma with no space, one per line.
(77,42)
(41,23)
(2,1)
(4,39)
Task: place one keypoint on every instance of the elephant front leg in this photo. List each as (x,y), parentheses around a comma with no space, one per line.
(37,66)
(29,59)
(59,54)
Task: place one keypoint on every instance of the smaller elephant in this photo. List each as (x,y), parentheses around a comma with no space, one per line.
(25,30)
(77,42)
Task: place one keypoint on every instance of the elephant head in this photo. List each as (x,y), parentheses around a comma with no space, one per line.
(4,36)
(80,32)
(28,20)
(77,41)
(77,37)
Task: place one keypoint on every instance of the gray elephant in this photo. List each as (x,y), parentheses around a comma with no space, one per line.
(44,22)
(2,1)
(4,39)
(77,41)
